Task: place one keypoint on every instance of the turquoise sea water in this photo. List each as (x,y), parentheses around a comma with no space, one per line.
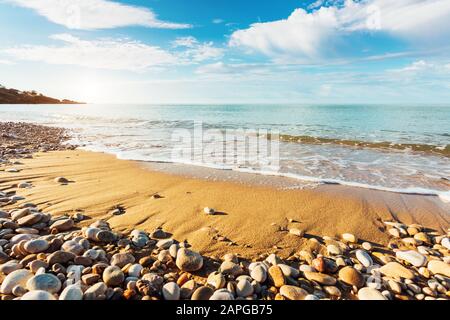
(399,148)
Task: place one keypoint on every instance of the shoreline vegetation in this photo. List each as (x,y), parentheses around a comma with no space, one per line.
(78,225)
(14,96)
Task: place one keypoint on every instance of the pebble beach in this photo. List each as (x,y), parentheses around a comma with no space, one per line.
(58,243)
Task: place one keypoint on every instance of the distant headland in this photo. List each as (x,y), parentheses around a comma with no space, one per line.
(14,96)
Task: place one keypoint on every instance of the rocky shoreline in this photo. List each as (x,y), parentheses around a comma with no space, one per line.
(45,257)
(20,140)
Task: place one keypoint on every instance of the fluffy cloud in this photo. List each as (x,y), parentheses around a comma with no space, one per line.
(103,54)
(422,68)
(95,14)
(317,34)
(417,66)
(112,54)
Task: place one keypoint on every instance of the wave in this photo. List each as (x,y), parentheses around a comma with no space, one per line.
(444,196)
(443,150)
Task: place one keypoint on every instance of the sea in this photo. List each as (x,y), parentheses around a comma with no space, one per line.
(396,148)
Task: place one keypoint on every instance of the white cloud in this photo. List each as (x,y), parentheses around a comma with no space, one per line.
(96,14)
(203,52)
(188,42)
(112,54)
(417,66)
(422,67)
(320,33)
(102,54)
(197,51)
(218,21)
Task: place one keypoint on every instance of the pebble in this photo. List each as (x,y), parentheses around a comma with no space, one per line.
(95,291)
(19,291)
(289,271)
(348,237)
(30,219)
(216,280)
(37,264)
(367,246)
(9,267)
(277,277)
(395,270)
(209,211)
(202,293)
(113,276)
(394,232)
(45,282)
(187,289)
(61,257)
(273,260)
(320,278)
(90,279)
(293,293)
(164,243)
(105,236)
(422,237)
(171,291)
(439,267)
(351,276)
(305,267)
(370,294)
(413,257)
(364,258)
(158,234)
(222,295)
(173,250)
(244,288)
(230,268)
(135,270)
(332,291)
(122,259)
(446,243)
(334,250)
(15,278)
(73,247)
(63,225)
(297,232)
(61,180)
(259,273)
(72,292)
(188,260)
(38,295)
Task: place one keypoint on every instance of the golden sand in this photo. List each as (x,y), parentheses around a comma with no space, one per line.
(250,216)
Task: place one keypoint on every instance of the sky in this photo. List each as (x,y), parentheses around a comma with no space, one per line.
(228,51)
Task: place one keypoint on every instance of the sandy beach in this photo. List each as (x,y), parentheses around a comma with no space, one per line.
(254,219)
(79,225)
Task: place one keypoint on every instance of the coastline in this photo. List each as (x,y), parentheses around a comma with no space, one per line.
(255,218)
(79,225)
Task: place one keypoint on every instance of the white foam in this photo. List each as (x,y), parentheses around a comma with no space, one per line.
(444,196)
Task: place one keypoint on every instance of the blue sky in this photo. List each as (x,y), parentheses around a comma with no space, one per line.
(228,51)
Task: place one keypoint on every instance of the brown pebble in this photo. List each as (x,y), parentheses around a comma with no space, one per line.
(277,276)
